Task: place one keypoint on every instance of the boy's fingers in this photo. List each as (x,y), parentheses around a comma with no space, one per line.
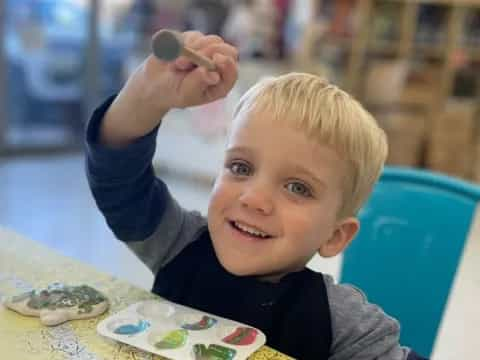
(196,40)
(203,41)
(222,48)
(197,82)
(183,63)
(210,77)
(191,36)
(227,67)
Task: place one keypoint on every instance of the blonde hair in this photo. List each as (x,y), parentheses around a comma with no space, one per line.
(332,117)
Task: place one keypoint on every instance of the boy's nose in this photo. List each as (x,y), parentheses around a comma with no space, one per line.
(257,199)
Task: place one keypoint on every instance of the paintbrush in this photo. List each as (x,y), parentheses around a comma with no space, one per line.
(168,45)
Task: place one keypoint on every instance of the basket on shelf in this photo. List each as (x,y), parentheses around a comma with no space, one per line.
(405,132)
(451,140)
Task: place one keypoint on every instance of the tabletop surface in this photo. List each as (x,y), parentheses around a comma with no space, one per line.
(26,265)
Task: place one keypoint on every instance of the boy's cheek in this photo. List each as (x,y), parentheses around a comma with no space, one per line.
(223,189)
(219,182)
(219,200)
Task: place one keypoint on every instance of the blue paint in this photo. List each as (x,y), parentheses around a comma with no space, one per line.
(131,329)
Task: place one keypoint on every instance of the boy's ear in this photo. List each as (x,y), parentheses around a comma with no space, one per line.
(341,237)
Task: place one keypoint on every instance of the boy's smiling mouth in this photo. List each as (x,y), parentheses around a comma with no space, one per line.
(249,230)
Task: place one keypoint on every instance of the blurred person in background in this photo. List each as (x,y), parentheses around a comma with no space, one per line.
(299,15)
(46,43)
(282,9)
(252,27)
(142,18)
(45,57)
(206,16)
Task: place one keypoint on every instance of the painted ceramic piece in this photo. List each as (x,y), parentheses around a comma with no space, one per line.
(213,352)
(59,303)
(241,336)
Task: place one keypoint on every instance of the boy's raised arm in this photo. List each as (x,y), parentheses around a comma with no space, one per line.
(121,136)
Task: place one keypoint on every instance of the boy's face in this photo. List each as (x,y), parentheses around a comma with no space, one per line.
(275,201)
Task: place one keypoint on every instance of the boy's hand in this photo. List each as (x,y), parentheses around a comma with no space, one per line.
(157,86)
(180,83)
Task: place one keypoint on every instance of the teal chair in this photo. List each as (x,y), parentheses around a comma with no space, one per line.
(413,230)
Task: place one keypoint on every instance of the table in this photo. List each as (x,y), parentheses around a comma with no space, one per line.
(26,265)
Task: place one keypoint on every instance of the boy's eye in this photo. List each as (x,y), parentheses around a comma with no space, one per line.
(298,188)
(240,168)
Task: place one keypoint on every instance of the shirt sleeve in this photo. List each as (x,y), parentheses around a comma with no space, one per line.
(360,330)
(137,206)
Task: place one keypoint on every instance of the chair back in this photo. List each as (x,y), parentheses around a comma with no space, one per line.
(413,230)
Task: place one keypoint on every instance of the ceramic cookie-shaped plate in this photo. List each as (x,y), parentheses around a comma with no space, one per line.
(59,303)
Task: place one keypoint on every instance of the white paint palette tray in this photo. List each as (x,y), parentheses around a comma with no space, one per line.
(178,332)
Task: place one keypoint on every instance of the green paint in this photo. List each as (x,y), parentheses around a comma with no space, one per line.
(173,340)
(213,352)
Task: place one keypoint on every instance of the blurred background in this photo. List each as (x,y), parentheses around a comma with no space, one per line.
(414,64)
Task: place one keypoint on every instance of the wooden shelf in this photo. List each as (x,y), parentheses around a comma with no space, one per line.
(384,47)
(341,41)
(474,54)
(429,50)
(393,48)
(378,71)
(361,46)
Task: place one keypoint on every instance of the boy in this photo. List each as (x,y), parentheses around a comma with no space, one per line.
(301,158)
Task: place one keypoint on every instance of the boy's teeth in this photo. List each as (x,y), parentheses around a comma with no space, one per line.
(250,230)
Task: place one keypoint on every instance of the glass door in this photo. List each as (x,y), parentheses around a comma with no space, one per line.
(46,58)
(3,118)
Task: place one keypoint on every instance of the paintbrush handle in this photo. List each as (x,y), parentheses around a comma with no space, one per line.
(198,59)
